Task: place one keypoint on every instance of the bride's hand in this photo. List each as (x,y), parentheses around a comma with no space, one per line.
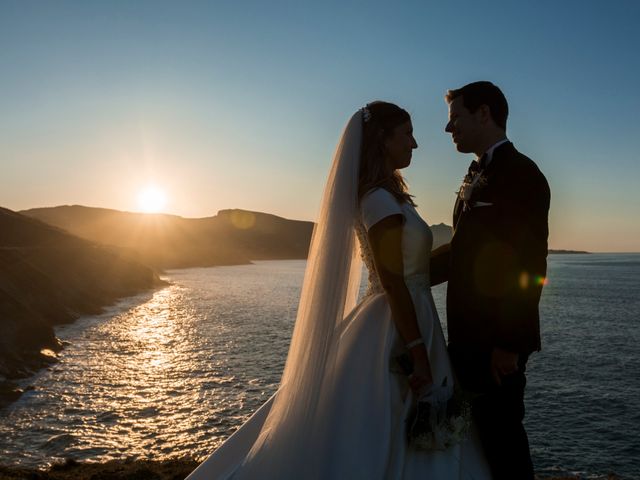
(420,379)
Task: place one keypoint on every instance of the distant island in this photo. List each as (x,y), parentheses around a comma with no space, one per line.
(551,252)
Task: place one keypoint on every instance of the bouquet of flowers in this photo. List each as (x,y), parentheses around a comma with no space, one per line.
(441,417)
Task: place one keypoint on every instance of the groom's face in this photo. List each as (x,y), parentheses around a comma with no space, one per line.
(465,127)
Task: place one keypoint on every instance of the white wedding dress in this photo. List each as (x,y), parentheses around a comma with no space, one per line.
(363,417)
(341,407)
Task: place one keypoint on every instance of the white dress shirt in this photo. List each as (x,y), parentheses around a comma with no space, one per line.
(489,152)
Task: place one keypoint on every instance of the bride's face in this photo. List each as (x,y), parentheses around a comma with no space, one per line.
(399,146)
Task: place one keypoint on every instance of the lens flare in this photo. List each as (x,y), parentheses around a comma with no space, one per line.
(526,279)
(242,220)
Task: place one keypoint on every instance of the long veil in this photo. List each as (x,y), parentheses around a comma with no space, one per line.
(329,292)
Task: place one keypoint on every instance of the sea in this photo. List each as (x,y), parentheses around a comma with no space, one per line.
(174,372)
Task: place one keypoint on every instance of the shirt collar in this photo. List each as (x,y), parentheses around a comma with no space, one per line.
(491,149)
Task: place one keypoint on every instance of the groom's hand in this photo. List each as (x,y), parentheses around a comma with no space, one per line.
(503,363)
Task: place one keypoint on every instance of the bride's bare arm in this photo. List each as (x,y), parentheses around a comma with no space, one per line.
(385,238)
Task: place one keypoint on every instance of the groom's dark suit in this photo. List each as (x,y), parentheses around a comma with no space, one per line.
(495,266)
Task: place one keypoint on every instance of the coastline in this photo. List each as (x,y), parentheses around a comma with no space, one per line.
(131,469)
(27,362)
(549,472)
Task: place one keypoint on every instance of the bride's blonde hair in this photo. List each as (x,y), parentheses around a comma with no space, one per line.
(379,121)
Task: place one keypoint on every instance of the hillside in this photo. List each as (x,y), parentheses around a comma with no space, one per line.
(441,234)
(166,241)
(49,277)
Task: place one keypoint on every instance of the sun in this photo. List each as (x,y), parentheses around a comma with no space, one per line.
(152,199)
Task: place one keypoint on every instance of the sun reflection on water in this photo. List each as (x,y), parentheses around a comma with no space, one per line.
(175,372)
(160,375)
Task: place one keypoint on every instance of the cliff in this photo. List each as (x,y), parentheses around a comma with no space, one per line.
(49,277)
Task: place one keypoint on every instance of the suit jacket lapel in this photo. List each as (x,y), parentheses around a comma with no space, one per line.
(457,211)
(498,154)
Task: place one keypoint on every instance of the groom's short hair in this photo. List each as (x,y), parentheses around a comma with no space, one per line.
(483,93)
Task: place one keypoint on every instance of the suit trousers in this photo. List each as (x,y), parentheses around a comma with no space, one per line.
(498,412)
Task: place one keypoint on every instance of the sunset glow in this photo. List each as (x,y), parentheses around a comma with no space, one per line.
(241,104)
(152,199)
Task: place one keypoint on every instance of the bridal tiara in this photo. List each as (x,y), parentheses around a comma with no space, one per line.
(366,114)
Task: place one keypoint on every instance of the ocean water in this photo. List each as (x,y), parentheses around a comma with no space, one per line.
(176,371)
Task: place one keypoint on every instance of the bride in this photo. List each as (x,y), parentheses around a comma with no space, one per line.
(341,409)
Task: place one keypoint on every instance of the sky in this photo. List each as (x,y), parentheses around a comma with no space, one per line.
(240,104)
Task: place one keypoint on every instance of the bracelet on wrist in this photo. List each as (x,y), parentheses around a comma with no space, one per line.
(414,343)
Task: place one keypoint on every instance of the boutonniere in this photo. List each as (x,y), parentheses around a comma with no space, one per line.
(470,183)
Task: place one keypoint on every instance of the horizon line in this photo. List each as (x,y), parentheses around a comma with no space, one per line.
(280,216)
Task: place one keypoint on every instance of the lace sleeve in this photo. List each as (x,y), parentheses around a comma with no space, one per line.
(376,205)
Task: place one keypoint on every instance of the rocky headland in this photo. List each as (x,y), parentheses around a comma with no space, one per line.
(62,262)
(232,237)
(49,277)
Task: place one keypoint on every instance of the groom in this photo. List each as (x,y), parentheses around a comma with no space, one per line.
(495,266)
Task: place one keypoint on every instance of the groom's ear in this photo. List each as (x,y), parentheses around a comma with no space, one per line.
(484,114)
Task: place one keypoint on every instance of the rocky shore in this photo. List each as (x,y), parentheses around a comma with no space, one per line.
(140,470)
(49,277)
(113,470)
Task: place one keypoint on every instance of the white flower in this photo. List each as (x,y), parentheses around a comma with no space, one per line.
(366,114)
(441,421)
(469,184)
